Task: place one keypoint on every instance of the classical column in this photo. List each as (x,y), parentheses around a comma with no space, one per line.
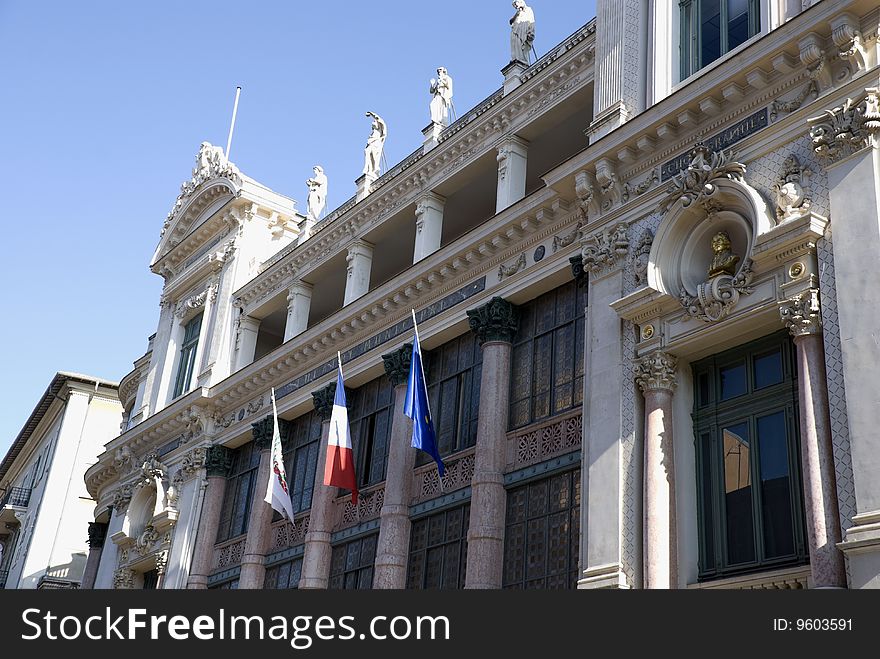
(621,36)
(655,375)
(603,256)
(512,157)
(299,301)
(392,550)
(218,462)
(316,559)
(248,329)
(97,535)
(360,261)
(801,314)
(495,324)
(253,569)
(845,139)
(429,225)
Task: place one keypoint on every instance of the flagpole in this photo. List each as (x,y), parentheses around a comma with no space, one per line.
(339,359)
(232,123)
(421,362)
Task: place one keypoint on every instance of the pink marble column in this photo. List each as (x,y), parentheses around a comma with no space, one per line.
(495,324)
(97,535)
(655,375)
(392,549)
(316,558)
(217,465)
(801,315)
(253,568)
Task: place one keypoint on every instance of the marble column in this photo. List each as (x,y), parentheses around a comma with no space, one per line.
(495,324)
(299,302)
(248,330)
(218,462)
(429,225)
(512,157)
(655,375)
(360,261)
(801,314)
(316,559)
(392,550)
(845,140)
(253,568)
(97,535)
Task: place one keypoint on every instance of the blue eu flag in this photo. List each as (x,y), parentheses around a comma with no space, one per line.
(417,408)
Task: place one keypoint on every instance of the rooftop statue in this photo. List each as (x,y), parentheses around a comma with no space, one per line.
(522,32)
(375,144)
(441,92)
(317,193)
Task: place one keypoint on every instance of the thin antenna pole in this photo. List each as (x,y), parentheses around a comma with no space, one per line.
(232,123)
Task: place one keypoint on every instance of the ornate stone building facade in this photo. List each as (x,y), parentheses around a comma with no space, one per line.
(643,276)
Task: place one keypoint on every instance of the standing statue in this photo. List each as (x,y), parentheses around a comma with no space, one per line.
(522,32)
(375,144)
(441,90)
(317,193)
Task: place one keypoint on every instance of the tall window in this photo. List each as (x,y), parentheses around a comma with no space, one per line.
(711,28)
(542,533)
(747,454)
(453,372)
(301,458)
(188,356)
(239,493)
(351,564)
(371,410)
(438,550)
(284,576)
(547,369)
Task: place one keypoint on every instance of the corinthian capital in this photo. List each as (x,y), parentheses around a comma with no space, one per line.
(802,313)
(847,129)
(656,371)
(606,250)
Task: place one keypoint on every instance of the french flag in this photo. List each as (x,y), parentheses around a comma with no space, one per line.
(339,469)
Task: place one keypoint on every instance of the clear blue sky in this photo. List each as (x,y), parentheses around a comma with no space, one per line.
(103,106)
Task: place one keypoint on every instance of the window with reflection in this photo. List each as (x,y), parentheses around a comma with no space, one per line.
(712,28)
(239,493)
(351,564)
(301,445)
(187,364)
(438,550)
(547,365)
(749,494)
(542,533)
(453,374)
(370,410)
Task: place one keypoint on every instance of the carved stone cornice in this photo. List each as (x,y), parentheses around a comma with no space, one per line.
(218,461)
(848,128)
(397,365)
(497,320)
(323,401)
(656,371)
(802,313)
(97,535)
(262,431)
(605,250)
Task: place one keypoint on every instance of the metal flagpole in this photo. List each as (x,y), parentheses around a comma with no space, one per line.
(232,123)
(421,362)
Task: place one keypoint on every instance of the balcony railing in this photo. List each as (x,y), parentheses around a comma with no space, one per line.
(16,496)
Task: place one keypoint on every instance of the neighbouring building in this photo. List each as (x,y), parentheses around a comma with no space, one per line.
(45,510)
(643,271)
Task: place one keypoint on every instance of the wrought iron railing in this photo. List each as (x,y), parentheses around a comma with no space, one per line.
(16,496)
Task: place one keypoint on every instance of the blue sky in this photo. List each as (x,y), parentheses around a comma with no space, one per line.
(103,106)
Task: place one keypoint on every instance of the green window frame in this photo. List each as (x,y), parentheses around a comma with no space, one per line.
(747,453)
(712,28)
(188,349)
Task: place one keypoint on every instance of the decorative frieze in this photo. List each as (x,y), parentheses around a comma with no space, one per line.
(802,314)
(286,534)
(496,320)
(545,440)
(430,485)
(229,553)
(511,269)
(368,507)
(602,251)
(656,371)
(218,461)
(397,364)
(848,128)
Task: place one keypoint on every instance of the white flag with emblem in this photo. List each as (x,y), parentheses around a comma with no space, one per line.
(277,492)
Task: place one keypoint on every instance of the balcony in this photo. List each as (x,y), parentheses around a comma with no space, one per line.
(15,500)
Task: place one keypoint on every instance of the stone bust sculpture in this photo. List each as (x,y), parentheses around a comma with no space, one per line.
(724,261)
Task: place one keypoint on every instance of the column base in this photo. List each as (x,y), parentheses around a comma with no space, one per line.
(862,550)
(603,577)
(316,561)
(197,582)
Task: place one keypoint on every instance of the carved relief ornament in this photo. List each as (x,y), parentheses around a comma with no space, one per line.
(602,251)
(656,371)
(848,128)
(802,313)
(698,182)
